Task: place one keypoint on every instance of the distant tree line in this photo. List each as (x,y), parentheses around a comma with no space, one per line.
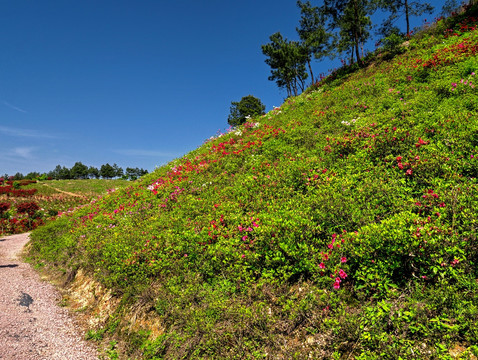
(81,171)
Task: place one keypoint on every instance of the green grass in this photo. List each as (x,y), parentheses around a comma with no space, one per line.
(90,187)
(340,225)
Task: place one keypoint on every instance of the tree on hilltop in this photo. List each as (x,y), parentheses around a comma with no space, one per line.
(248,106)
(93,172)
(79,171)
(287,60)
(312,33)
(403,7)
(118,171)
(135,173)
(352,19)
(107,171)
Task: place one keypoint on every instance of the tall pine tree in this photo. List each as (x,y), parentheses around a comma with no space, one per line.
(287,60)
(314,38)
(403,7)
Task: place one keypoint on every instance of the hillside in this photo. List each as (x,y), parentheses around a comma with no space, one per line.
(340,225)
(26,204)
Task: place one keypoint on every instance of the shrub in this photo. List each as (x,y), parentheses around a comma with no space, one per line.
(28,208)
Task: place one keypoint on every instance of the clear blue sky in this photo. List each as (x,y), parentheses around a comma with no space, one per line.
(136,83)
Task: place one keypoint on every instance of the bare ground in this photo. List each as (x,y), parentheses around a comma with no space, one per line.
(32,324)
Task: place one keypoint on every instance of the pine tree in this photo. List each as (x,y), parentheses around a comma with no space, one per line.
(287,60)
(400,7)
(312,33)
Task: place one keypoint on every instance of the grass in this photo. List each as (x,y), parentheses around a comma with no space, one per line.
(90,187)
(340,225)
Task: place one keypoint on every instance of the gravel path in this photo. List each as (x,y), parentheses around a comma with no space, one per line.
(32,325)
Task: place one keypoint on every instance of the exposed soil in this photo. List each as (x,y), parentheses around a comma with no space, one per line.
(62,191)
(32,324)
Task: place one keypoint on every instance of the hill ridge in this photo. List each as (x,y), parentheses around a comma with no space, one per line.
(339,225)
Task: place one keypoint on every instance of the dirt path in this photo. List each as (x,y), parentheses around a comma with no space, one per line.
(62,191)
(32,325)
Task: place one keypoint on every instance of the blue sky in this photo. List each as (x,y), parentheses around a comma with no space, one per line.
(136,83)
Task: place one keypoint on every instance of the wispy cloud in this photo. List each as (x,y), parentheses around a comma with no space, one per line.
(23,152)
(146,153)
(24,132)
(14,107)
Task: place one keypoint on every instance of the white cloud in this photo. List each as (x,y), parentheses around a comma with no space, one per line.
(23,152)
(24,132)
(14,107)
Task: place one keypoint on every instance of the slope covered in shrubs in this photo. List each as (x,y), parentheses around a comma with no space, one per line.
(340,225)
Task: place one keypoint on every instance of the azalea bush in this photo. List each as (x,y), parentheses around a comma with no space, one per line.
(339,225)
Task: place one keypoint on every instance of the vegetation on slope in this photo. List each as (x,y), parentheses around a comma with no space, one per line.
(340,225)
(26,204)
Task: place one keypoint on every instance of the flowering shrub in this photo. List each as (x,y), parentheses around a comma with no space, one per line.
(354,239)
(29,208)
(4,206)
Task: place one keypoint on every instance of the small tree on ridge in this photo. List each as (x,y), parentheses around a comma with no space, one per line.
(248,106)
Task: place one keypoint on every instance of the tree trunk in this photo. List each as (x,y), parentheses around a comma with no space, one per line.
(311,74)
(356,32)
(406,17)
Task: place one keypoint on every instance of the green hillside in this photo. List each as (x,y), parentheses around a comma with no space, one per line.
(341,225)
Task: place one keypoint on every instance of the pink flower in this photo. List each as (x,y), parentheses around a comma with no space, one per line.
(343,259)
(409,172)
(322,265)
(337,284)
(342,274)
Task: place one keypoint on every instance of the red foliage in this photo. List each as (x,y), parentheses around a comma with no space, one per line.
(5,189)
(9,190)
(4,206)
(23,193)
(451,54)
(28,208)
